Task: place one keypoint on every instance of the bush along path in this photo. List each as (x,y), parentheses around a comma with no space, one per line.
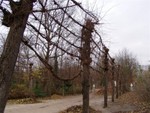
(133,99)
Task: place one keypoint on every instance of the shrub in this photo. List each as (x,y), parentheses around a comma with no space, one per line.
(19,91)
(39,92)
(142,87)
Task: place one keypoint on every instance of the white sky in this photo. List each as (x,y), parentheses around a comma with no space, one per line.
(126,25)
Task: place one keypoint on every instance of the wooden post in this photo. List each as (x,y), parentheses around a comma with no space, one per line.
(85,61)
(112,74)
(105,64)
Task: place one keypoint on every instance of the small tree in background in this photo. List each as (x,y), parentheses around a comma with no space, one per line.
(127,71)
(142,86)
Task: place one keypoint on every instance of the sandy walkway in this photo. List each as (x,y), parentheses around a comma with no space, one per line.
(54,106)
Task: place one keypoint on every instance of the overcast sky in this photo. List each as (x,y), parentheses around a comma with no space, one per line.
(126,25)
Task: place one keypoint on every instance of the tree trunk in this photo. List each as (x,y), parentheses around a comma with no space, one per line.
(86,60)
(120,87)
(113,85)
(120,83)
(105,64)
(10,52)
(117,81)
(31,81)
(85,86)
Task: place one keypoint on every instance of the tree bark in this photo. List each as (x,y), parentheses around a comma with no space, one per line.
(85,86)
(11,49)
(86,60)
(105,64)
(31,81)
(113,85)
(117,82)
(120,87)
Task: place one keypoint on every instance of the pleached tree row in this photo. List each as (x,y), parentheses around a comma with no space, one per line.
(52,29)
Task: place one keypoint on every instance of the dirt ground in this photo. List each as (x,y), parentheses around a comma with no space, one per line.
(57,105)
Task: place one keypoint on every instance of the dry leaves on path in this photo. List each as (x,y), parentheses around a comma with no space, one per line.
(24,101)
(132,98)
(78,109)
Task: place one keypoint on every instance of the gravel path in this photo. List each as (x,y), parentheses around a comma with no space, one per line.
(54,106)
(47,106)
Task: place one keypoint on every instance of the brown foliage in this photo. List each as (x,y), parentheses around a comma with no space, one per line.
(19,91)
(142,87)
(133,99)
(78,109)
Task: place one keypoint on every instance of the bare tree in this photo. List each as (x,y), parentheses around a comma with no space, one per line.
(128,67)
(53,32)
(113,78)
(105,66)
(16,20)
(117,81)
(46,38)
(86,60)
